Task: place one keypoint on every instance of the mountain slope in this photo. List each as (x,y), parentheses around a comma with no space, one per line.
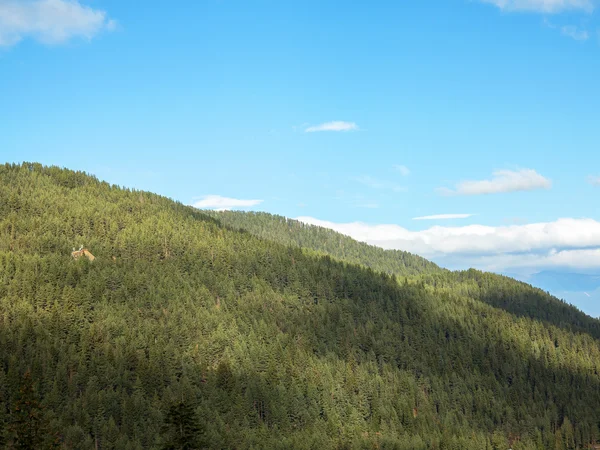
(181,323)
(322,240)
(499,291)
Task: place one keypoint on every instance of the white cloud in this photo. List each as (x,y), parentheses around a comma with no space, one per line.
(543,6)
(337,125)
(582,258)
(524,263)
(224,203)
(444,216)
(49,21)
(502,181)
(403,170)
(594,181)
(575,33)
(565,242)
(375,183)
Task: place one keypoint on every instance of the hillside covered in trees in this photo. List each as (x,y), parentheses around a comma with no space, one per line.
(185,332)
(324,241)
(499,291)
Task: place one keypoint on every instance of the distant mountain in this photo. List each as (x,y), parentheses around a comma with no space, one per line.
(185,332)
(555,281)
(579,289)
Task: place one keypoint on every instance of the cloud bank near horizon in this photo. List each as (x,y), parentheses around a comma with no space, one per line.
(566,242)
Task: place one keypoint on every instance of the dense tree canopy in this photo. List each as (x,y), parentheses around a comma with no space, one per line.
(324,241)
(499,291)
(185,333)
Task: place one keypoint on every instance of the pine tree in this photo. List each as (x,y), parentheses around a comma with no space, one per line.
(27,428)
(181,429)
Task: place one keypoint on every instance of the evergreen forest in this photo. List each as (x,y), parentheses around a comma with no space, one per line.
(205,330)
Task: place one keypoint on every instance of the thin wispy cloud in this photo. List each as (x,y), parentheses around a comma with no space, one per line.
(402,170)
(50,21)
(594,180)
(570,31)
(502,181)
(444,217)
(543,6)
(220,203)
(337,125)
(375,183)
(574,33)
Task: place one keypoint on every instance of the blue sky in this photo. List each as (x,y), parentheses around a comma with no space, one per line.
(359,116)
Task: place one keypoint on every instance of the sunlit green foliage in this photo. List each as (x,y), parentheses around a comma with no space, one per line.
(244,342)
(324,241)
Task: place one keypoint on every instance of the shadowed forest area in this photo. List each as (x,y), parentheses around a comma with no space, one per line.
(188,332)
(497,290)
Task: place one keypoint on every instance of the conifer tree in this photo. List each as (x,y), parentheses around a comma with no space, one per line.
(181,429)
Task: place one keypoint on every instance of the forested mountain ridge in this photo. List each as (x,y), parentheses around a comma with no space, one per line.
(292,232)
(517,297)
(183,330)
(497,290)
